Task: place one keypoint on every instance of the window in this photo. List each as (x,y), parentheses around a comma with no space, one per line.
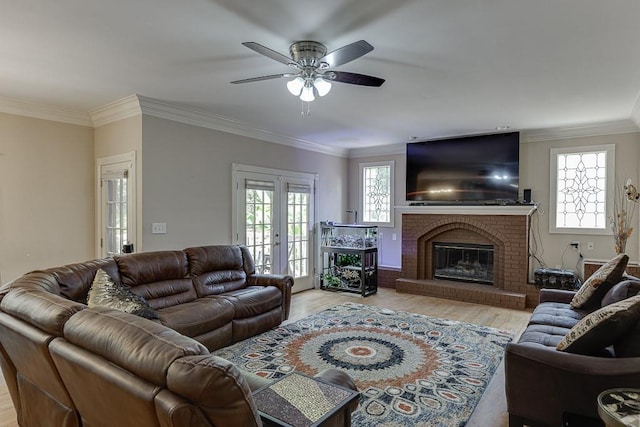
(581,189)
(376,193)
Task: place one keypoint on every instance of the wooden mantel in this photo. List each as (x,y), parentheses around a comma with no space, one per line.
(468,209)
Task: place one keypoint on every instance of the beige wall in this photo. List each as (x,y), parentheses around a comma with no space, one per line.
(121,137)
(534,174)
(186,172)
(46,194)
(47,186)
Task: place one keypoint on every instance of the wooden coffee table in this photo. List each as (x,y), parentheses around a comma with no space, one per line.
(298,400)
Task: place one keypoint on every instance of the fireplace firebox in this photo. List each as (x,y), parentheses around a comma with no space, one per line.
(463,262)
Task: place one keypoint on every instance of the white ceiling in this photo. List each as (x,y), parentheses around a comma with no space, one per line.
(452,67)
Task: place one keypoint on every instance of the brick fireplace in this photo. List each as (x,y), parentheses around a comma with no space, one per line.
(504,228)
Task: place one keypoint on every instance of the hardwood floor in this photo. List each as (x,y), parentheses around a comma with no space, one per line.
(491,410)
(313,301)
(7,413)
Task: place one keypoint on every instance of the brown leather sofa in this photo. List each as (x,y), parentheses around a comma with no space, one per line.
(546,387)
(66,364)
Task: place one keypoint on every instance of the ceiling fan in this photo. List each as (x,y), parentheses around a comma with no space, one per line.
(313,67)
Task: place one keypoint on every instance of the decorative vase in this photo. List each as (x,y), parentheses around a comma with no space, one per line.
(620,245)
(624,206)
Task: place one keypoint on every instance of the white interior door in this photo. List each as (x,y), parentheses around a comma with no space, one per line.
(116,204)
(274,219)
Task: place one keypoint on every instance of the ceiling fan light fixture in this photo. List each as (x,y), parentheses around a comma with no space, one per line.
(312,64)
(322,86)
(295,86)
(307,93)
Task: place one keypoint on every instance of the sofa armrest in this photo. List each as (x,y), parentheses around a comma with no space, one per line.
(36,280)
(43,310)
(556,295)
(542,383)
(175,411)
(282,282)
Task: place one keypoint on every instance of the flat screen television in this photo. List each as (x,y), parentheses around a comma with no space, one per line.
(472,169)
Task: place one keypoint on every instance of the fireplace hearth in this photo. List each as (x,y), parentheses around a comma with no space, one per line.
(463,262)
(486,258)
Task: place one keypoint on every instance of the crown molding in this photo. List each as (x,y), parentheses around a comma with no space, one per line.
(137,104)
(380,150)
(45,112)
(197,117)
(532,135)
(117,110)
(580,131)
(635,112)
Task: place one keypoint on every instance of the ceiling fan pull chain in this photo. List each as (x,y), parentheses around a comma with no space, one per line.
(305,112)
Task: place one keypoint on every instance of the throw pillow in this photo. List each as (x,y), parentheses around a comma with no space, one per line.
(621,291)
(600,282)
(602,328)
(629,344)
(104,292)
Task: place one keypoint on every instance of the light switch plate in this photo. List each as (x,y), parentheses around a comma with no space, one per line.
(159,228)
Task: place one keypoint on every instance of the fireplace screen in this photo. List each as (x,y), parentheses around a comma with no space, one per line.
(463,262)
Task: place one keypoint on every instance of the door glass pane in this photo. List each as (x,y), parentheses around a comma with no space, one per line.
(115,214)
(259,205)
(298,237)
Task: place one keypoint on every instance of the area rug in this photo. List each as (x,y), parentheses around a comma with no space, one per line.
(412,370)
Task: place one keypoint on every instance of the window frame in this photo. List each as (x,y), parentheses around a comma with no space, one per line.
(610,151)
(119,163)
(361,196)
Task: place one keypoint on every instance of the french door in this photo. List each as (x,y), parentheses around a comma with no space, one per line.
(274,217)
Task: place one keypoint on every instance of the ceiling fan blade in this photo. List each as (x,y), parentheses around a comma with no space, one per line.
(357,79)
(257,79)
(347,53)
(269,53)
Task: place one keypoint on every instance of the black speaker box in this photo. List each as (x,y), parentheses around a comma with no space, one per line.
(527,195)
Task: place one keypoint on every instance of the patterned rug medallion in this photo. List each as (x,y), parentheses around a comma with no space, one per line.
(412,370)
